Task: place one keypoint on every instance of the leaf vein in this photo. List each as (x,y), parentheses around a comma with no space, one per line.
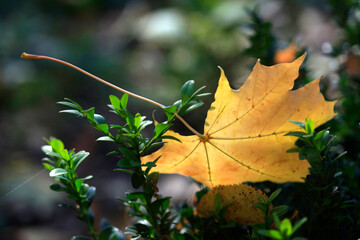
(186,157)
(244,165)
(208,163)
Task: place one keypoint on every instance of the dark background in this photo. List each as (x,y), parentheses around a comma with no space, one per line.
(150,48)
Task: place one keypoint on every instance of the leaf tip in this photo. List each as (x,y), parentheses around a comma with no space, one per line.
(301,59)
(222,73)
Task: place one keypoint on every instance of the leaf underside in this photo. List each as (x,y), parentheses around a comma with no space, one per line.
(246,129)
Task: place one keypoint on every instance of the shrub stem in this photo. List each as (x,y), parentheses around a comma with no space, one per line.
(33,56)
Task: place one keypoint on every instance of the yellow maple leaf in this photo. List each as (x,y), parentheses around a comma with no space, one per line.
(245,130)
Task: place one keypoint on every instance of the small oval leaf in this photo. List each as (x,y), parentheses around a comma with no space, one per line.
(57,172)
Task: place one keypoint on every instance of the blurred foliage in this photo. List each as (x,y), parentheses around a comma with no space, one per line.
(140,44)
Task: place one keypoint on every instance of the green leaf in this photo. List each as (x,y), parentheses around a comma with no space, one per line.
(155,144)
(191,107)
(99,119)
(65,154)
(309,126)
(88,177)
(149,167)
(178,103)
(54,154)
(134,196)
(321,139)
(130,156)
(300,124)
(170,110)
(137,120)
(274,234)
(71,153)
(195,95)
(111,233)
(279,210)
(170,137)
(201,95)
(338,157)
(274,195)
(105,139)
(57,145)
(123,170)
(46,148)
(75,103)
(324,140)
(165,204)
(263,206)
(162,203)
(187,90)
(276,220)
(48,166)
(64,178)
(298,224)
(121,113)
(302,156)
(296,134)
(124,101)
(317,139)
(78,183)
(149,164)
(49,160)
(70,104)
(89,114)
(124,163)
(128,117)
(57,172)
(103,127)
(112,153)
(143,124)
(115,101)
(57,188)
(83,189)
(160,128)
(90,195)
(137,180)
(72,111)
(79,157)
(139,230)
(286,227)
(121,199)
(293,150)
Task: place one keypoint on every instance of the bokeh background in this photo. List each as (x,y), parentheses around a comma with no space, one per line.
(150,48)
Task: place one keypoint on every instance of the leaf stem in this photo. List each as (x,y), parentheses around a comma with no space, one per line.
(33,56)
